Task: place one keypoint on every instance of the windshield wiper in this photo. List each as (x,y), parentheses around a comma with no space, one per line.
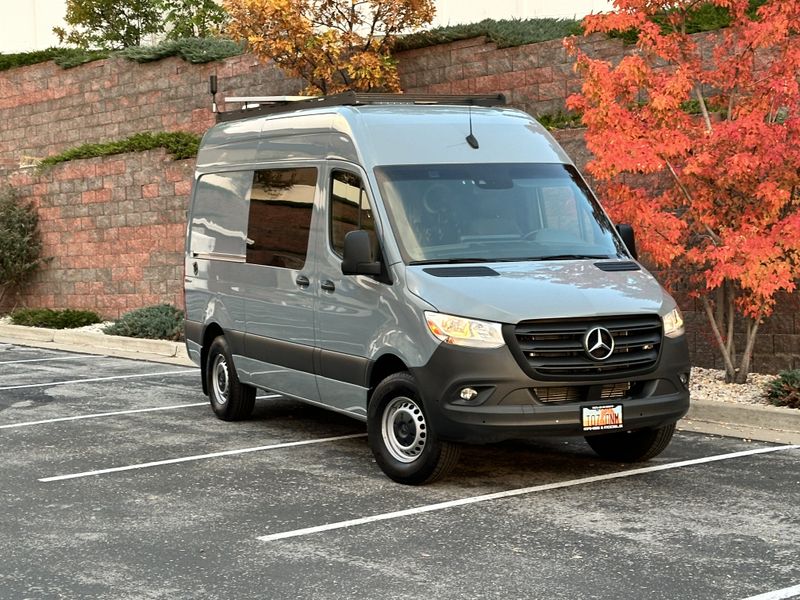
(451,261)
(570,257)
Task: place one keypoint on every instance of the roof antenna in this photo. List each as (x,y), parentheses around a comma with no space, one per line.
(471,139)
(212,89)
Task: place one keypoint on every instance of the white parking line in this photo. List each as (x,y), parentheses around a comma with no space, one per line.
(98,415)
(96,379)
(789,592)
(173,461)
(73,357)
(517,492)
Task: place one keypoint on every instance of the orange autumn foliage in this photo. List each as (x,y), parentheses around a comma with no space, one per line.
(334,45)
(716,194)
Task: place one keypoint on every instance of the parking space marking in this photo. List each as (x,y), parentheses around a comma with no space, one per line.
(789,592)
(517,492)
(96,379)
(173,461)
(98,415)
(73,357)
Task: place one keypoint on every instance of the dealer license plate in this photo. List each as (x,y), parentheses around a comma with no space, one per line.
(599,418)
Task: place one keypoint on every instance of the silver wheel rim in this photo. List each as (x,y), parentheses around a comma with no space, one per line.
(404,429)
(220,380)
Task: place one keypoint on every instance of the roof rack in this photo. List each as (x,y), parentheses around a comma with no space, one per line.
(267,105)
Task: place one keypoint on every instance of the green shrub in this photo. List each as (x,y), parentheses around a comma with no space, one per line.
(505,33)
(23,59)
(161,322)
(560,120)
(68,58)
(179,144)
(193,50)
(20,243)
(785,390)
(54,319)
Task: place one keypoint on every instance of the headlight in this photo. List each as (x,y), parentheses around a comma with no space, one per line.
(464,332)
(673,323)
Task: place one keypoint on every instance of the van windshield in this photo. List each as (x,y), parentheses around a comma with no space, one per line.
(494,212)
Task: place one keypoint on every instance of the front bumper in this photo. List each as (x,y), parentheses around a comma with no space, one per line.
(509,403)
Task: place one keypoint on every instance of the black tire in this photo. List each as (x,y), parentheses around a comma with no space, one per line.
(632,446)
(401,438)
(230,399)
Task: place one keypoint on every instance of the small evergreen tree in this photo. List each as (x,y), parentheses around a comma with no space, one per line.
(111,24)
(20,244)
(194,19)
(116,24)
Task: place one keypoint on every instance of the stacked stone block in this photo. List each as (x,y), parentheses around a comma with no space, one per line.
(112,230)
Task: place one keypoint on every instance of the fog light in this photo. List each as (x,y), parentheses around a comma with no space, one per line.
(468,394)
(684,377)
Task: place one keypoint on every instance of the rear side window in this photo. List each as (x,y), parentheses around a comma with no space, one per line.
(349,210)
(220,206)
(281,202)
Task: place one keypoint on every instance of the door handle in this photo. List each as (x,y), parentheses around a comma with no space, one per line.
(327,285)
(302,281)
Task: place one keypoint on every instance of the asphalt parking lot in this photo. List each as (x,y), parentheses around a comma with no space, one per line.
(118,482)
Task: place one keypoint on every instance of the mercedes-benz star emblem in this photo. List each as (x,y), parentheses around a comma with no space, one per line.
(598,343)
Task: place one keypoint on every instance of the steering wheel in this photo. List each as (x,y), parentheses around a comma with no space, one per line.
(436,199)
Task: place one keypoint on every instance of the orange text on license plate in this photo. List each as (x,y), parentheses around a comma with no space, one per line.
(597,418)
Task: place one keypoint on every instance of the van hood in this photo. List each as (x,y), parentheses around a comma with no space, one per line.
(514,292)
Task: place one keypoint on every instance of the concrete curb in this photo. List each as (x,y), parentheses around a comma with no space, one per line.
(748,421)
(97,343)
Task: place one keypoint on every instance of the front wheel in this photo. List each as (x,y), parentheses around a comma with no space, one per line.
(230,399)
(404,445)
(632,446)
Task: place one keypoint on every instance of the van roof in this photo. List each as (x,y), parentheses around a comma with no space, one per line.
(382,134)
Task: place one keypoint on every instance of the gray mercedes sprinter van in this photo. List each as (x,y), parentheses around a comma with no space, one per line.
(434,266)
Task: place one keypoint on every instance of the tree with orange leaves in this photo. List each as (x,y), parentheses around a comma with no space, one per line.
(334,45)
(716,194)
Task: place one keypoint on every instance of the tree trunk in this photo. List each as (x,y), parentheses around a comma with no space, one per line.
(750,342)
(720,313)
(716,328)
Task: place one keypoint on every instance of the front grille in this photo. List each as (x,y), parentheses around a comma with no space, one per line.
(559,394)
(582,393)
(553,349)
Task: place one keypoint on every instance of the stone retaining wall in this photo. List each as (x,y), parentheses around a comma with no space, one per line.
(113,229)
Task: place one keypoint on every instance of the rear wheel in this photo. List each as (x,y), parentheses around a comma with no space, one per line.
(632,446)
(404,445)
(230,399)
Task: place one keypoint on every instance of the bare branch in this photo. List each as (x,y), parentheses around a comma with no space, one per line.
(703,108)
(729,368)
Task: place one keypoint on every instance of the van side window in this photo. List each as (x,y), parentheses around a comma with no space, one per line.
(220,206)
(281,201)
(349,210)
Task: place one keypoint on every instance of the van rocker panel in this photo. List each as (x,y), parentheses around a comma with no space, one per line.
(506,406)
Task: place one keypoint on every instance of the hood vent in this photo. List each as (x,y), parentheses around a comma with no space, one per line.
(462,272)
(618,266)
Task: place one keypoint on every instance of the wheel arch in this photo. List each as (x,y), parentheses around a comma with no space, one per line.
(211,332)
(385,365)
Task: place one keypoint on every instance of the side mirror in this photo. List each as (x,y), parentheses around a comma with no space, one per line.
(627,235)
(357,258)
